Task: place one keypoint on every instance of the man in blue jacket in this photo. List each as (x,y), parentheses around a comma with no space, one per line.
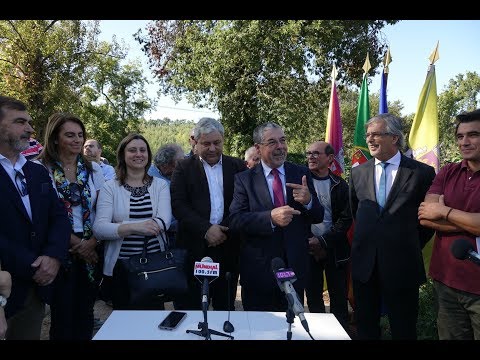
(34,227)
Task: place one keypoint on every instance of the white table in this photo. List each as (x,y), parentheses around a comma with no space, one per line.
(249,325)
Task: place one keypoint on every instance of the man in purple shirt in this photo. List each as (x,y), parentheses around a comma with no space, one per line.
(452,208)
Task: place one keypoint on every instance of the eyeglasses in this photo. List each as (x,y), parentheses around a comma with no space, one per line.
(75,194)
(314,154)
(20,178)
(272,143)
(376,135)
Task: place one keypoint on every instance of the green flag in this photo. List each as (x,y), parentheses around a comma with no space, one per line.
(361,153)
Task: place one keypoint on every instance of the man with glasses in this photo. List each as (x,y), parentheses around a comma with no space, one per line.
(34,228)
(273,207)
(329,247)
(387,263)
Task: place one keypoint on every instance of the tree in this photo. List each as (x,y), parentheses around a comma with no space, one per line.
(461,94)
(255,71)
(59,65)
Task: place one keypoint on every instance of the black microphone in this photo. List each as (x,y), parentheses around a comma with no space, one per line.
(284,278)
(463,249)
(227,325)
(205,282)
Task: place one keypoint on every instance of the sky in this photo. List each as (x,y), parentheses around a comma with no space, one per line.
(411,44)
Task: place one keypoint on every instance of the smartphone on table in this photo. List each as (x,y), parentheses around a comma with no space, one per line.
(172,320)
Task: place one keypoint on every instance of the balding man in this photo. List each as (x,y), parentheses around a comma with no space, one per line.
(329,247)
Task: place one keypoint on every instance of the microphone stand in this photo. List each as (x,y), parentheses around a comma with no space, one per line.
(290,319)
(203,326)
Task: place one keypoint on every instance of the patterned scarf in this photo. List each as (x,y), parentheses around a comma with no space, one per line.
(63,187)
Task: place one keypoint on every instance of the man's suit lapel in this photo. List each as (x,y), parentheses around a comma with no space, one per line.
(289,178)
(370,179)
(202,178)
(403,175)
(261,187)
(11,193)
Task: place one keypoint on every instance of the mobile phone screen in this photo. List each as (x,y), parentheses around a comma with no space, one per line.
(172,320)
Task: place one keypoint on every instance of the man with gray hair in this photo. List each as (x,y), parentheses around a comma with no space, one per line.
(201,192)
(273,207)
(386,253)
(165,160)
(251,157)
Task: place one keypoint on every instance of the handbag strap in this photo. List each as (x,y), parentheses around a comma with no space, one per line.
(164,235)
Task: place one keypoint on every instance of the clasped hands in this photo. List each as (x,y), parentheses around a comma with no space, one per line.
(433,211)
(283,215)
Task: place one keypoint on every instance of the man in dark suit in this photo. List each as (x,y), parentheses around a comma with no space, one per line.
(34,228)
(274,205)
(201,191)
(387,263)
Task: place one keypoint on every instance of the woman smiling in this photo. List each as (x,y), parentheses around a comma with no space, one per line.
(77,182)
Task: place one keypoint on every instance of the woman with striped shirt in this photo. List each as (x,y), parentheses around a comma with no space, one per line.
(127,210)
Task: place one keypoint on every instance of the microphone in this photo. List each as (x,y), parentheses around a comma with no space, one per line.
(227,325)
(285,278)
(204,271)
(463,249)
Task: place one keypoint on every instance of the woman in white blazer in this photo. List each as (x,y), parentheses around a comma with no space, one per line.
(127,211)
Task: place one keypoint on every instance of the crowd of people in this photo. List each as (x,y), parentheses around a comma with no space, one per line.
(68,217)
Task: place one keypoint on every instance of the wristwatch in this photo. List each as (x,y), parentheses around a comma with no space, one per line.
(3,301)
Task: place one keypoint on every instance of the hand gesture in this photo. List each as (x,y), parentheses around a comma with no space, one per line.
(301,193)
(283,215)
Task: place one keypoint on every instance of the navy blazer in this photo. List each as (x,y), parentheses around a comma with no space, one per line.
(392,237)
(23,240)
(250,214)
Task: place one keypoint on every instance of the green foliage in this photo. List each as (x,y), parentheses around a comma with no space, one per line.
(161,132)
(427,313)
(59,65)
(261,70)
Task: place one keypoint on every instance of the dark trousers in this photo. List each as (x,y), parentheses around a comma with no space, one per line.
(402,304)
(337,287)
(72,303)
(458,313)
(221,296)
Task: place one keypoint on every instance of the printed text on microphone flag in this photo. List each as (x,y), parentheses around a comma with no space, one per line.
(206,269)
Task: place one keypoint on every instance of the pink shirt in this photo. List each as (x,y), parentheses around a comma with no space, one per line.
(461,189)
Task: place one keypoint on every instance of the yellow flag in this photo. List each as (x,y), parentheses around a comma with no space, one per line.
(423,138)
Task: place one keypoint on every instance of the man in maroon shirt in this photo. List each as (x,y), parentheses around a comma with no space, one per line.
(452,208)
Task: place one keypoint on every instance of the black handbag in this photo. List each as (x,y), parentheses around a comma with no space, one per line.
(160,275)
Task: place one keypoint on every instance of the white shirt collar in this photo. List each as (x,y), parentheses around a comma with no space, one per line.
(267,169)
(394,160)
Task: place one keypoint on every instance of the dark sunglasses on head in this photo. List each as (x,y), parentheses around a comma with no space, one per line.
(75,194)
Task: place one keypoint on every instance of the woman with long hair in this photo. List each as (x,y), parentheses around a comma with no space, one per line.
(77,182)
(127,213)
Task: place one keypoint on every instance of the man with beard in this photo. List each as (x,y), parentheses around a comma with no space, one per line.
(273,207)
(34,227)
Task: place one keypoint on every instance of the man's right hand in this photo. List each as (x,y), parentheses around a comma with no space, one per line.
(216,234)
(283,215)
